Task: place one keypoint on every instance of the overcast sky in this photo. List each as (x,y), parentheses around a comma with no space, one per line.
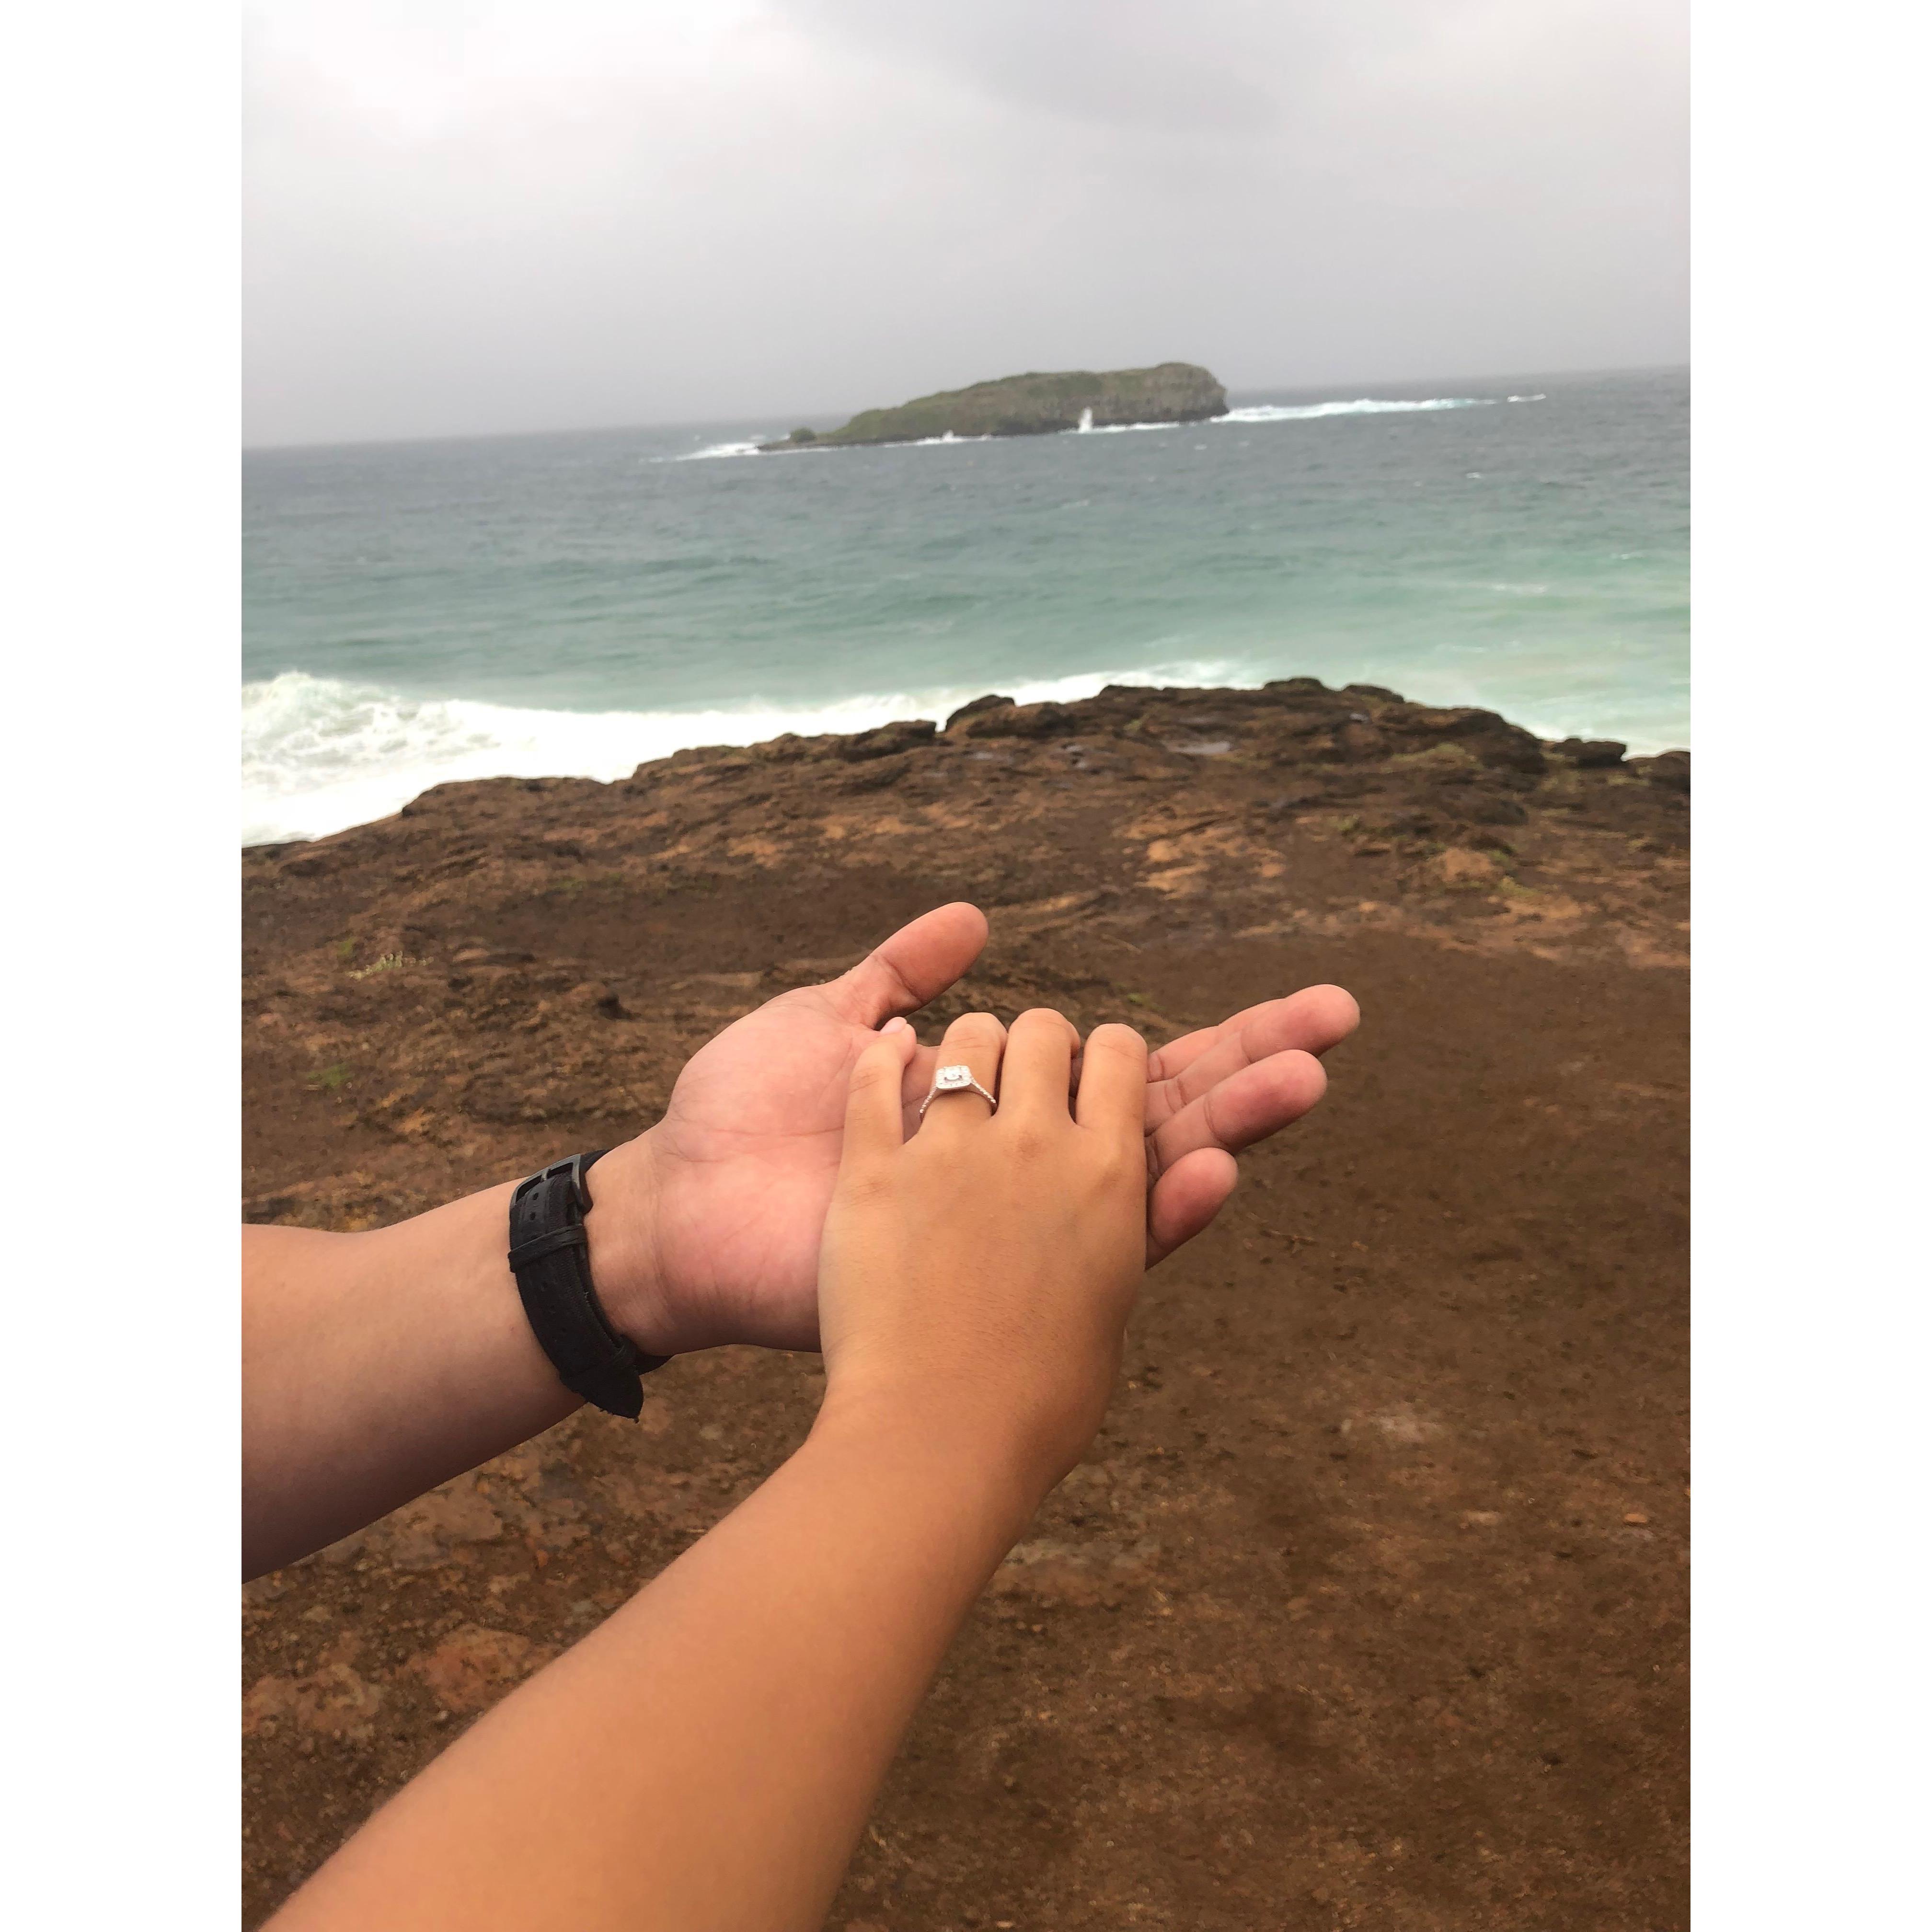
(463,218)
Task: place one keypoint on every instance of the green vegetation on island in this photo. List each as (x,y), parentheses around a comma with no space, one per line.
(1037,405)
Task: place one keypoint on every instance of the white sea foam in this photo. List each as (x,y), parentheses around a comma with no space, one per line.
(1361,405)
(1087,426)
(712,450)
(318,755)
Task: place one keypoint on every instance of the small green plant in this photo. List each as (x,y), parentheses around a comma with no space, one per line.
(345,950)
(330,1079)
(1351,823)
(1137,999)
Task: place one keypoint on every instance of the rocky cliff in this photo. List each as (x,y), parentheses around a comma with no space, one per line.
(1035,405)
(1397,1442)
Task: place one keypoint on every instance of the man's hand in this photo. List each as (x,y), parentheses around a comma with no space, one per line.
(377,1365)
(707,1228)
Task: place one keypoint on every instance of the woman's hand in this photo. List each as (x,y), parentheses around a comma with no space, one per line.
(975,1278)
(380,1364)
(707,1228)
(706,1757)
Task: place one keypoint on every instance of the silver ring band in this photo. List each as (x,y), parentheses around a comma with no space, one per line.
(955,1080)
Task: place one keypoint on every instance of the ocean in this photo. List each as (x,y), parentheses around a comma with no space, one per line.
(578,603)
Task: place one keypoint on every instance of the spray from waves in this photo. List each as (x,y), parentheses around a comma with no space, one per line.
(1273,412)
(319,754)
(712,451)
(1129,429)
(1362,406)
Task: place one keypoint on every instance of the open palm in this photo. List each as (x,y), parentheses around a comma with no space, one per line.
(744,1161)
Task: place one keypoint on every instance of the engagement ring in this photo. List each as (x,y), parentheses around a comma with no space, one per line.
(956,1080)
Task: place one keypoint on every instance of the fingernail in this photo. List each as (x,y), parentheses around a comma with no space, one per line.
(896,1023)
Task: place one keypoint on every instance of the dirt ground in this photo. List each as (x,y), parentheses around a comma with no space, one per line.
(1368,1607)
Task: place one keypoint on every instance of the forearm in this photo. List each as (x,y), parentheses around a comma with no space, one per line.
(375,1366)
(706,1759)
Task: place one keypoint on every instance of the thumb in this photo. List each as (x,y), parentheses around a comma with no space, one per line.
(874,1123)
(916,965)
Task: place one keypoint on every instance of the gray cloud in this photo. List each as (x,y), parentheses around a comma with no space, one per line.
(1129,64)
(460,220)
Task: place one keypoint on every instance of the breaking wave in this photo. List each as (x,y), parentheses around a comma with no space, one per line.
(714,450)
(319,754)
(1362,406)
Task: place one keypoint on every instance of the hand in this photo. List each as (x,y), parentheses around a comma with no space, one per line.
(706,1228)
(1212,1092)
(975,1278)
(707,1756)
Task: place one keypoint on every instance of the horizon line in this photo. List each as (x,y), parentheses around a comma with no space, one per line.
(728,422)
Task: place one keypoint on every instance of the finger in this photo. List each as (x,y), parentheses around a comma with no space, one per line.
(1039,1060)
(1309,1021)
(1113,1082)
(924,1062)
(874,1125)
(974,1041)
(917,1084)
(1186,1197)
(1313,1020)
(917,963)
(1247,1107)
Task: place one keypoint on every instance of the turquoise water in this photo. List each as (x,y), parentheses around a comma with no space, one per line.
(579,602)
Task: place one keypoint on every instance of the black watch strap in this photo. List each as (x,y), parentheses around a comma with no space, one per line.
(549,1256)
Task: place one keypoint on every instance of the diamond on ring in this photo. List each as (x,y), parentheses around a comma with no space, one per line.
(955,1080)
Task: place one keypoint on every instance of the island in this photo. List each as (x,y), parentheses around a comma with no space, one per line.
(1035,404)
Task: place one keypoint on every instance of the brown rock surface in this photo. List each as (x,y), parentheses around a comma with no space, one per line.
(1367,1608)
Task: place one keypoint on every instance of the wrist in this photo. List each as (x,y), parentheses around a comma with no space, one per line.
(622,1226)
(964,1449)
